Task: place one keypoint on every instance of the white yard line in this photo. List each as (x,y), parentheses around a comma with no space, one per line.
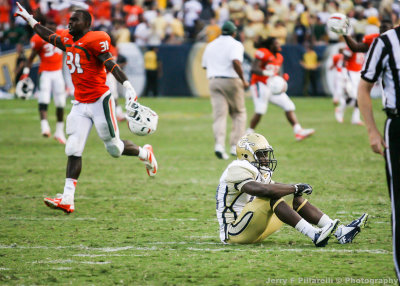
(191,248)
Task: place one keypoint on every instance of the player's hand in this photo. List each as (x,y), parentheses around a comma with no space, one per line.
(21,11)
(25,73)
(345,30)
(246,84)
(302,189)
(285,76)
(130,93)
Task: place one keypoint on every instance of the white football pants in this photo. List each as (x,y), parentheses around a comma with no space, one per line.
(52,82)
(262,95)
(81,119)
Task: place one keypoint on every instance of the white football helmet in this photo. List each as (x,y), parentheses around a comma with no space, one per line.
(141,119)
(255,149)
(338,23)
(277,84)
(24,88)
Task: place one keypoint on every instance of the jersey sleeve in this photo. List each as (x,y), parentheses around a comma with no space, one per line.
(375,62)
(239,176)
(260,55)
(368,39)
(100,43)
(36,43)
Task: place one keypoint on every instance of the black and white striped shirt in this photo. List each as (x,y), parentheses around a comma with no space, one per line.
(383,59)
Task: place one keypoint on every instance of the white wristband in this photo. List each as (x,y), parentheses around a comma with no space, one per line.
(267,73)
(127,85)
(25,70)
(31,21)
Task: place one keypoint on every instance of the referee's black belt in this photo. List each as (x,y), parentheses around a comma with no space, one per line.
(213,77)
(392,112)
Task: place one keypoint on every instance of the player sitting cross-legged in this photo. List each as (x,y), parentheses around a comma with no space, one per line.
(250,206)
(87,58)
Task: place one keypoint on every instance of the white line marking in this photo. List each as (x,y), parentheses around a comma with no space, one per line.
(108,255)
(3,268)
(51,218)
(69,261)
(165,248)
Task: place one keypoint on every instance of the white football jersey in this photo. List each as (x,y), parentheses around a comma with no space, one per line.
(230,199)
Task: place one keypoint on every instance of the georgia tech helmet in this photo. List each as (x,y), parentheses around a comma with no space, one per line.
(255,149)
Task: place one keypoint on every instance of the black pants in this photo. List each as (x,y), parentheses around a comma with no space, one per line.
(151,83)
(392,156)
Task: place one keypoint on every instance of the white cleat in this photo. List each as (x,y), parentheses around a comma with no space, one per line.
(60,137)
(321,238)
(151,162)
(347,233)
(304,133)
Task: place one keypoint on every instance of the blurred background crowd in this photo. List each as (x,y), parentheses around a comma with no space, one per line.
(156,22)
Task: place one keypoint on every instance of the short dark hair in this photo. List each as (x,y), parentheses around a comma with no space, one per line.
(86,16)
(268,43)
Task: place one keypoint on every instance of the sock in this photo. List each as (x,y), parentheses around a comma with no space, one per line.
(44,124)
(60,127)
(324,220)
(305,228)
(143,154)
(297,128)
(356,115)
(69,189)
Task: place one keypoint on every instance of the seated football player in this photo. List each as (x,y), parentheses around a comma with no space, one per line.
(251,206)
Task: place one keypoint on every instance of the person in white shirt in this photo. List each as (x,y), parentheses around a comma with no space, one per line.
(223,59)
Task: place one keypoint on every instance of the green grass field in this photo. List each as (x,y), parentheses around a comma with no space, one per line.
(134,230)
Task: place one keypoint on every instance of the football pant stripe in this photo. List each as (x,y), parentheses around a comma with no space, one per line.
(239,227)
(112,114)
(108,115)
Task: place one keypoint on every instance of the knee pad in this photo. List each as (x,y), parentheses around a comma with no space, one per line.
(114,147)
(72,147)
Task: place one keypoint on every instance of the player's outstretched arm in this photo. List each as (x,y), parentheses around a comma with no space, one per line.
(108,61)
(354,46)
(45,33)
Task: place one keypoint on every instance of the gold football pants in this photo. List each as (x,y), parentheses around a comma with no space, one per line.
(256,222)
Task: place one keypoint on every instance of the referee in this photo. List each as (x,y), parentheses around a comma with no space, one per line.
(383,60)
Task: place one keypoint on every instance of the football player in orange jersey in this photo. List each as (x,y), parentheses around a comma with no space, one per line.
(362,47)
(340,81)
(88,57)
(51,81)
(267,64)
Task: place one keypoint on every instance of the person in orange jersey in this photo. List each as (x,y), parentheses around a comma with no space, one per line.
(88,57)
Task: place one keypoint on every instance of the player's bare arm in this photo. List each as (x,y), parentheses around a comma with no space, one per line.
(354,46)
(108,61)
(111,66)
(275,191)
(45,33)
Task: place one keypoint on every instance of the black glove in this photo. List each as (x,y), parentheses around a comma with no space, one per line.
(302,189)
